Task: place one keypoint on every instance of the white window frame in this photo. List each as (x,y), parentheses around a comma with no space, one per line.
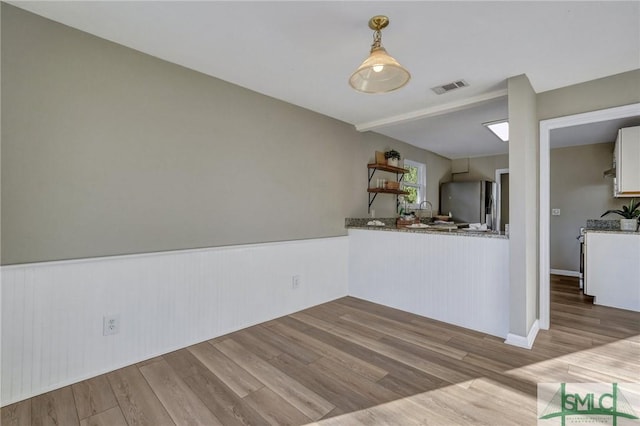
(421,186)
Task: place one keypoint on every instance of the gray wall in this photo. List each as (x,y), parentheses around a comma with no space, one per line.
(580,192)
(523,205)
(608,92)
(109,151)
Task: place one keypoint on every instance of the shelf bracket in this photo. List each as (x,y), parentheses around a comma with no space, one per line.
(371,172)
(371,199)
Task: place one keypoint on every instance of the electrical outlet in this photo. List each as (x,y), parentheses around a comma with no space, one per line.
(555,212)
(295,281)
(110,324)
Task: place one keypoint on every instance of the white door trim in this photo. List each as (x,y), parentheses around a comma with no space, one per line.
(546,126)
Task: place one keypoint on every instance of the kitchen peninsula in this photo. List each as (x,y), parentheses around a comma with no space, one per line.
(456,276)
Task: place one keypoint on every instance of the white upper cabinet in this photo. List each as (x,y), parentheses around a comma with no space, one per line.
(627,159)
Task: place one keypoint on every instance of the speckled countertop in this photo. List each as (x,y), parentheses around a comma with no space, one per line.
(606,227)
(390,226)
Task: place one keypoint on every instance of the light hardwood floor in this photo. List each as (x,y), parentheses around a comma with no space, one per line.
(351,362)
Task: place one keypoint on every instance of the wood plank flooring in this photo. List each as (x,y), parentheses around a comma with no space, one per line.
(351,362)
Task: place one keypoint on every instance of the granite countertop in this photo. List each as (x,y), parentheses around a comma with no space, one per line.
(390,226)
(606,227)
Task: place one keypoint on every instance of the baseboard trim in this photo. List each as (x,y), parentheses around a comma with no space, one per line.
(565,273)
(521,341)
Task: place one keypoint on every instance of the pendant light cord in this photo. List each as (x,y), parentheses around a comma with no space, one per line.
(377,39)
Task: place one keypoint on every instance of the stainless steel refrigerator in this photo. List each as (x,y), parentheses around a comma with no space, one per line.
(469,202)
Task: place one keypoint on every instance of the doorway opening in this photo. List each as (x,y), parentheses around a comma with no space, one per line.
(546,126)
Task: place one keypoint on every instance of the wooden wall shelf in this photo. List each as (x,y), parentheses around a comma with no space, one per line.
(373,192)
(388,191)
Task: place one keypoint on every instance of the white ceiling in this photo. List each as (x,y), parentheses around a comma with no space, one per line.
(586,134)
(303,52)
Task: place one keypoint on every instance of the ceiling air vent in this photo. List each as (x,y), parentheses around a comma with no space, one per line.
(449,87)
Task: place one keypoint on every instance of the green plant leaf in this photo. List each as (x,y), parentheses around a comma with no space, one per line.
(628,212)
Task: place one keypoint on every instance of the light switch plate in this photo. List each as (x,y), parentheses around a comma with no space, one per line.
(555,212)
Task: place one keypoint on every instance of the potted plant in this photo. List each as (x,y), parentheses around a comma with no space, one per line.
(392,157)
(630,215)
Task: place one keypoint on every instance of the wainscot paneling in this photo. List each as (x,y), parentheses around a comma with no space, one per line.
(52,313)
(459,279)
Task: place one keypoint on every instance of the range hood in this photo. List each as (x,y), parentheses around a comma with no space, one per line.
(609,173)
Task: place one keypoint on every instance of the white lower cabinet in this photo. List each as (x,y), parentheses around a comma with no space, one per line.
(612,269)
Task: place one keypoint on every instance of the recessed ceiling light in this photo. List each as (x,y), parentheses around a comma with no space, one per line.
(499,128)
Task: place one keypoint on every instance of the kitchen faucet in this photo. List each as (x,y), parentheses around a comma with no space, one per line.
(430,208)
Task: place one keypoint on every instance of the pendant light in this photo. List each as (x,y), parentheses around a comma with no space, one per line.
(379,73)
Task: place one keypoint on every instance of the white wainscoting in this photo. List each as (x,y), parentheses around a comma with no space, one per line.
(458,279)
(52,312)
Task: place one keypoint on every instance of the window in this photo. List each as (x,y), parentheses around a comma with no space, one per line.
(415,183)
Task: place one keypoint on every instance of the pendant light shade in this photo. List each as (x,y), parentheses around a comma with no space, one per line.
(379,73)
